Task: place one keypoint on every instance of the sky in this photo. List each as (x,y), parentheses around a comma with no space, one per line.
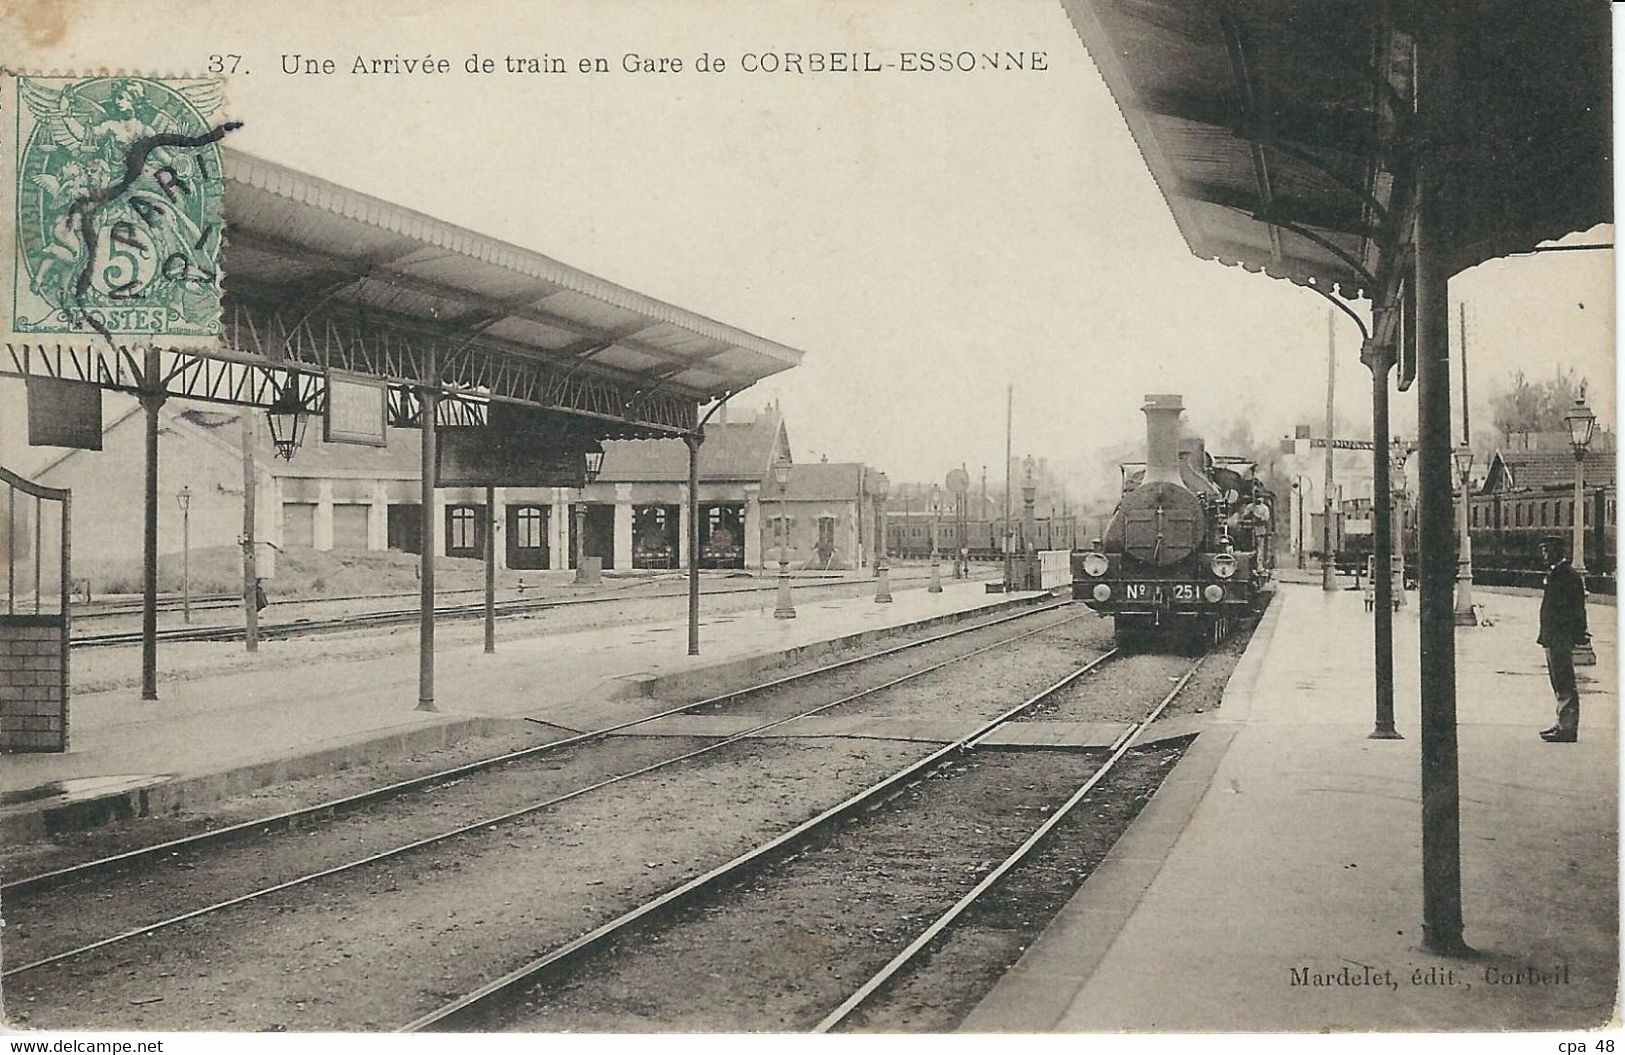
(926,239)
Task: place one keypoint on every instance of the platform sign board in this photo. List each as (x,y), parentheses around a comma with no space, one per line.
(64,414)
(517,447)
(357,409)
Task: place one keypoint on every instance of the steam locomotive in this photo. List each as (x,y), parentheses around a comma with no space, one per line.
(1189,548)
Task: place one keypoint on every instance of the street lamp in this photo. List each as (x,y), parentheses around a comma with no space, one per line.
(288,420)
(781,475)
(591,465)
(1464,551)
(1581,422)
(936,559)
(1299,486)
(882,584)
(183,498)
(1398,488)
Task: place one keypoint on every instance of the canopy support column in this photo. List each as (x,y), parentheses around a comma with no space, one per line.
(151,400)
(1381,362)
(1441,805)
(490,570)
(693,441)
(429,403)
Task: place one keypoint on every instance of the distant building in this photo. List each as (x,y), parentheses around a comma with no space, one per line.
(351,497)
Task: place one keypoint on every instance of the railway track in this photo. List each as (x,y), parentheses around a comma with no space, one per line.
(505,609)
(487,1006)
(92,873)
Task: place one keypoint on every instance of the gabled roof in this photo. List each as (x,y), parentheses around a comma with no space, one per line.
(821,482)
(737,450)
(1546,470)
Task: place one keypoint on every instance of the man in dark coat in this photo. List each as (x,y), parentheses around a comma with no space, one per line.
(1562,626)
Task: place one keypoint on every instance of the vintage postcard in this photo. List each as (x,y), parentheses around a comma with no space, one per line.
(1073,517)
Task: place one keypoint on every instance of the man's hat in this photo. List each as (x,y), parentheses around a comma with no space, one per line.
(1554,541)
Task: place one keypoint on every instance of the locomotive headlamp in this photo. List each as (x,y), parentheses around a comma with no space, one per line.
(1095,564)
(1102,592)
(1224,565)
(1214,593)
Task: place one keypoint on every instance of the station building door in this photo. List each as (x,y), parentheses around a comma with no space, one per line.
(654,536)
(600,534)
(722,534)
(527,536)
(406,528)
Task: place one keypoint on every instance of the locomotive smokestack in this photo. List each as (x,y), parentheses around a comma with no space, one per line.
(1162,438)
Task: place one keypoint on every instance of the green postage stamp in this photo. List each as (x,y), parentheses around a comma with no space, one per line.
(114,197)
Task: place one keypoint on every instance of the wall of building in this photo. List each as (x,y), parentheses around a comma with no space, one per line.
(109,488)
(800,543)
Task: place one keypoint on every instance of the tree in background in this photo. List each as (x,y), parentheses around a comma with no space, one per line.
(1524,406)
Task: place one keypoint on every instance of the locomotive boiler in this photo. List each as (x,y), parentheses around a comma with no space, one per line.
(1188,548)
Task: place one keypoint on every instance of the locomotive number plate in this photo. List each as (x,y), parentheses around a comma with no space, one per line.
(1174,591)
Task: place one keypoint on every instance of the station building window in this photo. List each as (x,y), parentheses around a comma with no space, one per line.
(465,536)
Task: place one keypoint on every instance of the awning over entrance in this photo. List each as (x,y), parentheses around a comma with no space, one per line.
(1284,135)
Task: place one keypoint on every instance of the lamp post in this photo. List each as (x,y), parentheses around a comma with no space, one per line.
(1397,457)
(1298,486)
(936,559)
(183,498)
(592,465)
(882,584)
(1581,422)
(786,607)
(1464,551)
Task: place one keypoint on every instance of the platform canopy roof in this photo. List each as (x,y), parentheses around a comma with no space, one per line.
(313,268)
(1283,133)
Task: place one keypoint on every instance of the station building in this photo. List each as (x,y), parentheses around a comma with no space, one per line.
(334,496)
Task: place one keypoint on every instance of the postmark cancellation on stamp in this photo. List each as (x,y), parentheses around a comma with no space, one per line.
(116,208)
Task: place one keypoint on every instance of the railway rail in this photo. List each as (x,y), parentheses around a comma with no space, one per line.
(42,883)
(933,932)
(486,1005)
(505,609)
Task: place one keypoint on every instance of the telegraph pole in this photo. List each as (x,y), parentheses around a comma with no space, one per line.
(1009,416)
(251,608)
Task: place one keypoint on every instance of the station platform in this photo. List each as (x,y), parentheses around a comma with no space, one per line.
(293,710)
(1274,882)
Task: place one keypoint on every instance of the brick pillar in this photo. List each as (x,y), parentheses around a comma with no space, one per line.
(558,526)
(322,535)
(440,537)
(622,553)
(682,525)
(499,524)
(33,710)
(378,517)
(753,526)
(267,523)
